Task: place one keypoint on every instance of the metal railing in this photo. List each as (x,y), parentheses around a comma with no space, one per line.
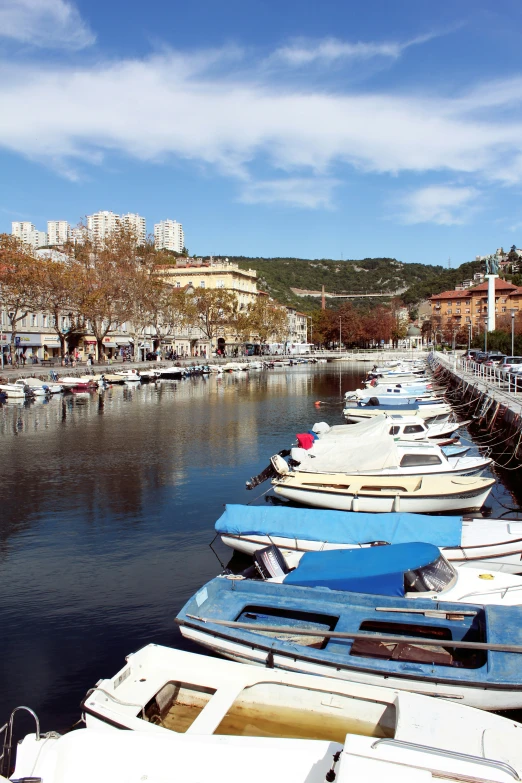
(7,731)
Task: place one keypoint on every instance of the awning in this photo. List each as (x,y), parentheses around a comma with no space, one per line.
(123,341)
(89,340)
(109,345)
(50,339)
(26,340)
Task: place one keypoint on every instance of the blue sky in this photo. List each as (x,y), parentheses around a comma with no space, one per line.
(333,129)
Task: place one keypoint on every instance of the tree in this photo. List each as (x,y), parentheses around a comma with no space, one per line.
(60,296)
(262,321)
(212,310)
(19,282)
(110,275)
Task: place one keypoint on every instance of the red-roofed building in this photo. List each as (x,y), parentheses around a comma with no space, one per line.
(456,310)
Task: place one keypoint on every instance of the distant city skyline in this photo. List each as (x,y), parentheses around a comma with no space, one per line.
(273,128)
(167,234)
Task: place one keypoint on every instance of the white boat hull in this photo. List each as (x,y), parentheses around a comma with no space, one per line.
(346,501)
(472,696)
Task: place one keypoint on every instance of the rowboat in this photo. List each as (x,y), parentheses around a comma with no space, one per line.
(468,653)
(162,691)
(129,376)
(494,544)
(15,391)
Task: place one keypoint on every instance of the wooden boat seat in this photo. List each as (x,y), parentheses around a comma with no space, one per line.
(404,651)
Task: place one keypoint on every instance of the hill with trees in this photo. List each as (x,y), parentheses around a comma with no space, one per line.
(411,282)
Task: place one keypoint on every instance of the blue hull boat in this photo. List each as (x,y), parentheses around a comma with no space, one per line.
(381,640)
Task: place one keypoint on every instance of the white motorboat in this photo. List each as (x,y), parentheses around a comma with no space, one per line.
(94,756)
(38,388)
(417,570)
(149,375)
(401,427)
(488,755)
(370,407)
(390,392)
(129,376)
(162,691)
(15,391)
(493,544)
(82,382)
(375,452)
(415,494)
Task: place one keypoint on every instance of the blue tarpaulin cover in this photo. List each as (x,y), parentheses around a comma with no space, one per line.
(376,570)
(339,527)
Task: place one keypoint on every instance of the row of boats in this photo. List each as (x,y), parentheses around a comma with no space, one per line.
(360,646)
(31,387)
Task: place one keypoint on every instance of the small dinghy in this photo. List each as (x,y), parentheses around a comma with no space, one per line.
(415,494)
(469,653)
(161,691)
(15,391)
(373,406)
(492,544)
(129,376)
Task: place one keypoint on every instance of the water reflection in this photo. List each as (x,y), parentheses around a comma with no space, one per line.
(108,503)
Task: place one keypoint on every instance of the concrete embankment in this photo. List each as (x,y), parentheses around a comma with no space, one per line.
(494,404)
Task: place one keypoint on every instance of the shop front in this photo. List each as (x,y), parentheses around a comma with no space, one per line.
(50,346)
(124,348)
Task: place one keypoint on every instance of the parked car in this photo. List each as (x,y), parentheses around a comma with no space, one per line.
(494,359)
(480,357)
(511,364)
(470,355)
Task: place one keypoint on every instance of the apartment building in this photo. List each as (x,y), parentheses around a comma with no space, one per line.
(101,224)
(58,232)
(462,308)
(28,233)
(136,223)
(168,235)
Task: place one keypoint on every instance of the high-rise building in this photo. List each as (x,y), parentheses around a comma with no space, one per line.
(101,224)
(78,234)
(28,233)
(168,235)
(58,232)
(137,223)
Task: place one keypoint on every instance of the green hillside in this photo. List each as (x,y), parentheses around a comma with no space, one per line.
(411,282)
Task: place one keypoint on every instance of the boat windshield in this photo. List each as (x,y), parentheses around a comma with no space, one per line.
(434,577)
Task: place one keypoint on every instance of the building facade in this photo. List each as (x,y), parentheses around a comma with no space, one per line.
(101,224)
(58,232)
(27,233)
(137,224)
(467,309)
(168,235)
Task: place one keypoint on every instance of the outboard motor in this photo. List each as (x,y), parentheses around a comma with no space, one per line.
(373,401)
(270,562)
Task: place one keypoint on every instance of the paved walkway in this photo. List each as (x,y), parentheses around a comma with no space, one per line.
(486,379)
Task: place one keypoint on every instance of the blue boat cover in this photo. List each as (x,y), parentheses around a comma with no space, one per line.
(339,527)
(395,403)
(376,570)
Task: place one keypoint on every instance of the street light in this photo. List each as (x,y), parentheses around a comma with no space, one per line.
(486,334)
(513,311)
(469,338)
(309,317)
(339,334)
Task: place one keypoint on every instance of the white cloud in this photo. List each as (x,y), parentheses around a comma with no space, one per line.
(303,52)
(198,108)
(309,193)
(446,205)
(44,23)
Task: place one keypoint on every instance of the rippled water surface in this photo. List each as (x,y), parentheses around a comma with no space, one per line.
(107,510)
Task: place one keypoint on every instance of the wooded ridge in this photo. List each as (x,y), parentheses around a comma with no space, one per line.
(412,282)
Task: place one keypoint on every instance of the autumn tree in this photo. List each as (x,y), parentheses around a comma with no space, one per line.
(262,321)
(19,282)
(213,309)
(60,296)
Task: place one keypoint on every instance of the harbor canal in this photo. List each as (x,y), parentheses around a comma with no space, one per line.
(108,503)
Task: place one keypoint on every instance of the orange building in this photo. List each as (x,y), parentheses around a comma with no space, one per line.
(455,311)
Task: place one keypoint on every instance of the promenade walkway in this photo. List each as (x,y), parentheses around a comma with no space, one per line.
(487,380)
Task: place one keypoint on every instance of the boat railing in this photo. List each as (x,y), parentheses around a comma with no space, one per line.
(7,732)
(452,754)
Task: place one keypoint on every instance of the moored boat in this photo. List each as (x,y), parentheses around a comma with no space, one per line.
(468,653)
(494,544)
(415,494)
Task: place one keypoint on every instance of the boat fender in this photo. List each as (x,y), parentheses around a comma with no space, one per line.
(269,663)
(318,403)
(397,502)
(355,503)
(279,464)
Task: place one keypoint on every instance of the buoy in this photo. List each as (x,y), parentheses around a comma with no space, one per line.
(318,403)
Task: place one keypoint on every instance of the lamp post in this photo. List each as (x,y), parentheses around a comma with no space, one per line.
(469,338)
(486,334)
(513,311)
(339,334)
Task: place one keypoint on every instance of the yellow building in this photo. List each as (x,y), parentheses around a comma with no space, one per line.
(216,273)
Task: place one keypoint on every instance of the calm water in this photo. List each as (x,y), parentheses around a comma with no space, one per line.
(107,510)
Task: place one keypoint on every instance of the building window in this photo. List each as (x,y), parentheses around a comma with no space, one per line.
(44,320)
(202,284)
(468,310)
(24,322)
(178,284)
(220,284)
(468,319)
(458,312)
(458,304)
(503,309)
(34,320)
